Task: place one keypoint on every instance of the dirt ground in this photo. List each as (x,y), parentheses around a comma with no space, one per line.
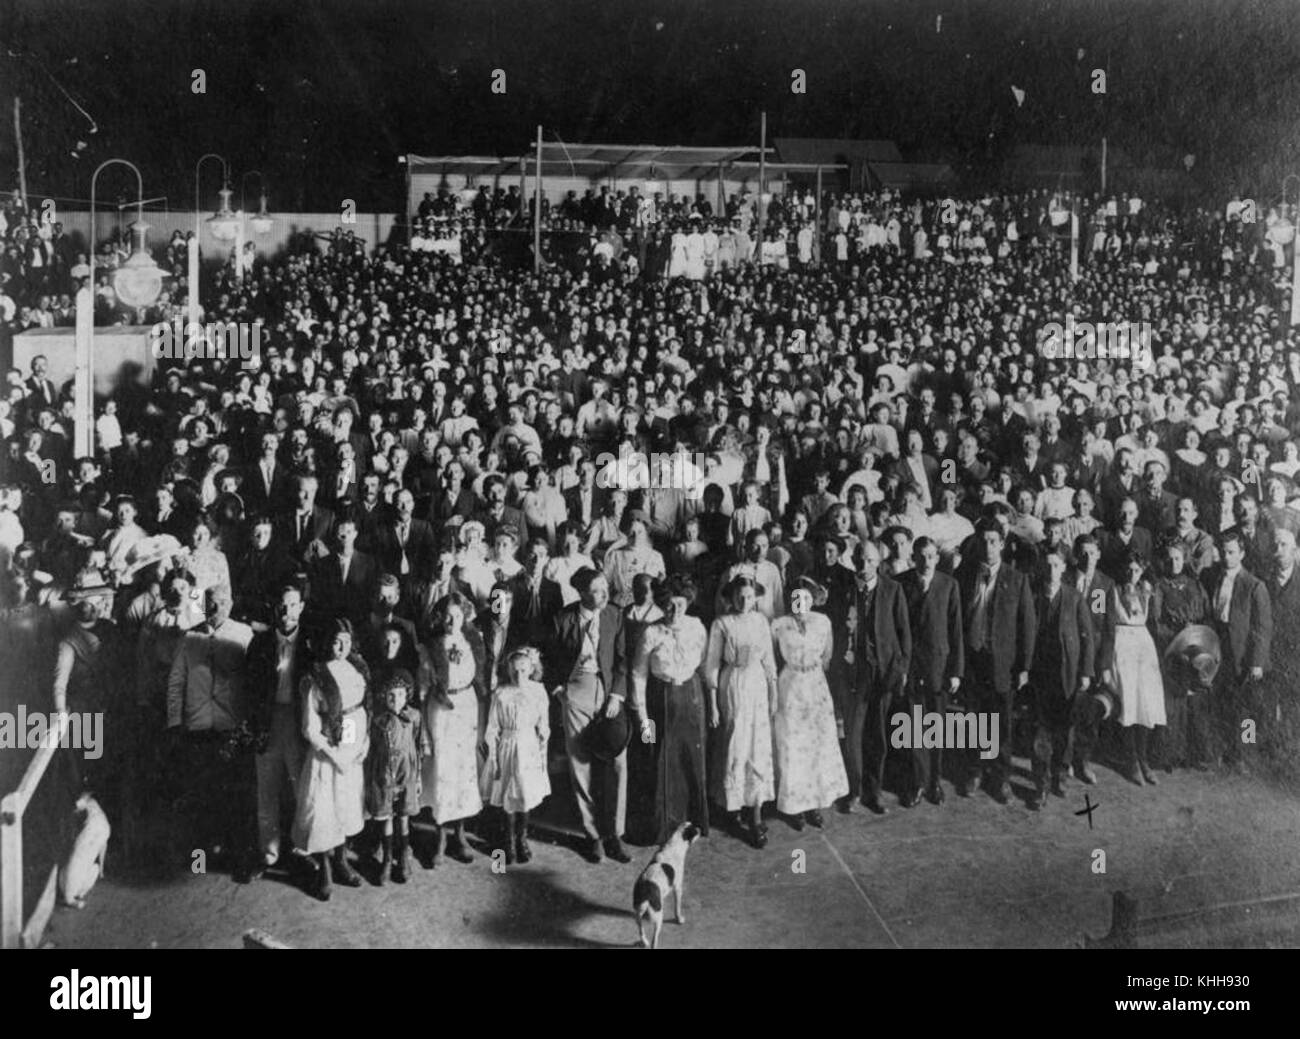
(971,874)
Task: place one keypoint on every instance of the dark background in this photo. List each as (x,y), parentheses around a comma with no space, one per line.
(322,96)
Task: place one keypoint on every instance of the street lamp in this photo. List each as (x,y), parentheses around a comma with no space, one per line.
(224,223)
(192,257)
(261,221)
(137,283)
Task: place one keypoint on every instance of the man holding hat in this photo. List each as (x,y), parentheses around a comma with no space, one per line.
(586,666)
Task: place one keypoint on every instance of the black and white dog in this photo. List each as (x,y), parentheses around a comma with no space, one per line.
(664,875)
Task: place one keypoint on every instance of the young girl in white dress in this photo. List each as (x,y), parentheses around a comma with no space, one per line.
(451,781)
(1135,667)
(331,791)
(740,672)
(809,765)
(514,776)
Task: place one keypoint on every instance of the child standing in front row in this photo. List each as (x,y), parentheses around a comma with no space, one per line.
(514,776)
(397,741)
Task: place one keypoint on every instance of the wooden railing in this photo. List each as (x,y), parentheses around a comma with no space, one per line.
(15,933)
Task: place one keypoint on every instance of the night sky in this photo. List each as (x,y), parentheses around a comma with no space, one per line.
(322,96)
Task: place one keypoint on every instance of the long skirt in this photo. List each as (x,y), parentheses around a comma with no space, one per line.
(1138,679)
(742,768)
(681,794)
(451,775)
(330,804)
(809,765)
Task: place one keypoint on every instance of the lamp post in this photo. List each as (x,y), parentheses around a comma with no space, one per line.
(261,221)
(219,222)
(137,283)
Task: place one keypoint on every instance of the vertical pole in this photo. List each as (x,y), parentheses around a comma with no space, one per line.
(1103,165)
(722,194)
(22,165)
(192,272)
(239,249)
(83,381)
(762,176)
(1074,244)
(410,203)
(817,220)
(1295,282)
(537,205)
(11,872)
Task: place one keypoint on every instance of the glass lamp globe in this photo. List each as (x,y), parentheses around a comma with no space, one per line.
(224,224)
(261,222)
(138,282)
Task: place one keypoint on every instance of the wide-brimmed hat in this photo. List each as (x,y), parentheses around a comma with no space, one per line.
(1193,657)
(147,551)
(606,738)
(88,584)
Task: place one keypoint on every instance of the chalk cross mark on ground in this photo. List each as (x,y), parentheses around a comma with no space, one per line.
(854,881)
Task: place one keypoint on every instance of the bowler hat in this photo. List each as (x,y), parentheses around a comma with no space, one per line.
(606,738)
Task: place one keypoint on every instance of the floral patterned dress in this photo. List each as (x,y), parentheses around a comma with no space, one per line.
(739,664)
(809,765)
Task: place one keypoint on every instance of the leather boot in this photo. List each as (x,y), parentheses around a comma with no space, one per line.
(385,857)
(401,857)
(524,852)
(343,872)
(322,877)
(459,850)
(510,838)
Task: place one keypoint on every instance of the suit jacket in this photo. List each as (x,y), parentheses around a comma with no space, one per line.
(529,626)
(421,547)
(260,676)
(1098,609)
(1064,650)
(497,643)
(573,505)
(334,597)
(1013,626)
(938,638)
(565,646)
(891,638)
(1285,602)
(1113,550)
(257,496)
(1248,635)
(319,527)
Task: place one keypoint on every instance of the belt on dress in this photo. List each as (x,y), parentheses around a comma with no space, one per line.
(459,689)
(804,667)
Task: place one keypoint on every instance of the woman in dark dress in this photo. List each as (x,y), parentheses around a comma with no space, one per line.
(668,701)
(1178,599)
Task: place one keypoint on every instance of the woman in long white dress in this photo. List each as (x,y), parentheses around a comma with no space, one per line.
(740,671)
(1135,667)
(451,775)
(331,792)
(677,263)
(809,765)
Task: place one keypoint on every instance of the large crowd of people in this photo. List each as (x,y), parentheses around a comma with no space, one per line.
(389,572)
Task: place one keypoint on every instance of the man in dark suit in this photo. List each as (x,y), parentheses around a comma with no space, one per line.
(266,481)
(841,590)
(257,573)
(1125,537)
(41,391)
(998,609)
(307,528)
(586,664)
(1095,589)
(1063,666)
(878,656)
(536,599)
(1257,536)
(1121,482)
(343,582)
(1242,616)
(276,663)
(404,545)
(938,657)
(495,513)
(584,502)
(1282,702)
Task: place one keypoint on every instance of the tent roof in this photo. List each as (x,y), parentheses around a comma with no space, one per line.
(632,161)
(911,174)
(827,151)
